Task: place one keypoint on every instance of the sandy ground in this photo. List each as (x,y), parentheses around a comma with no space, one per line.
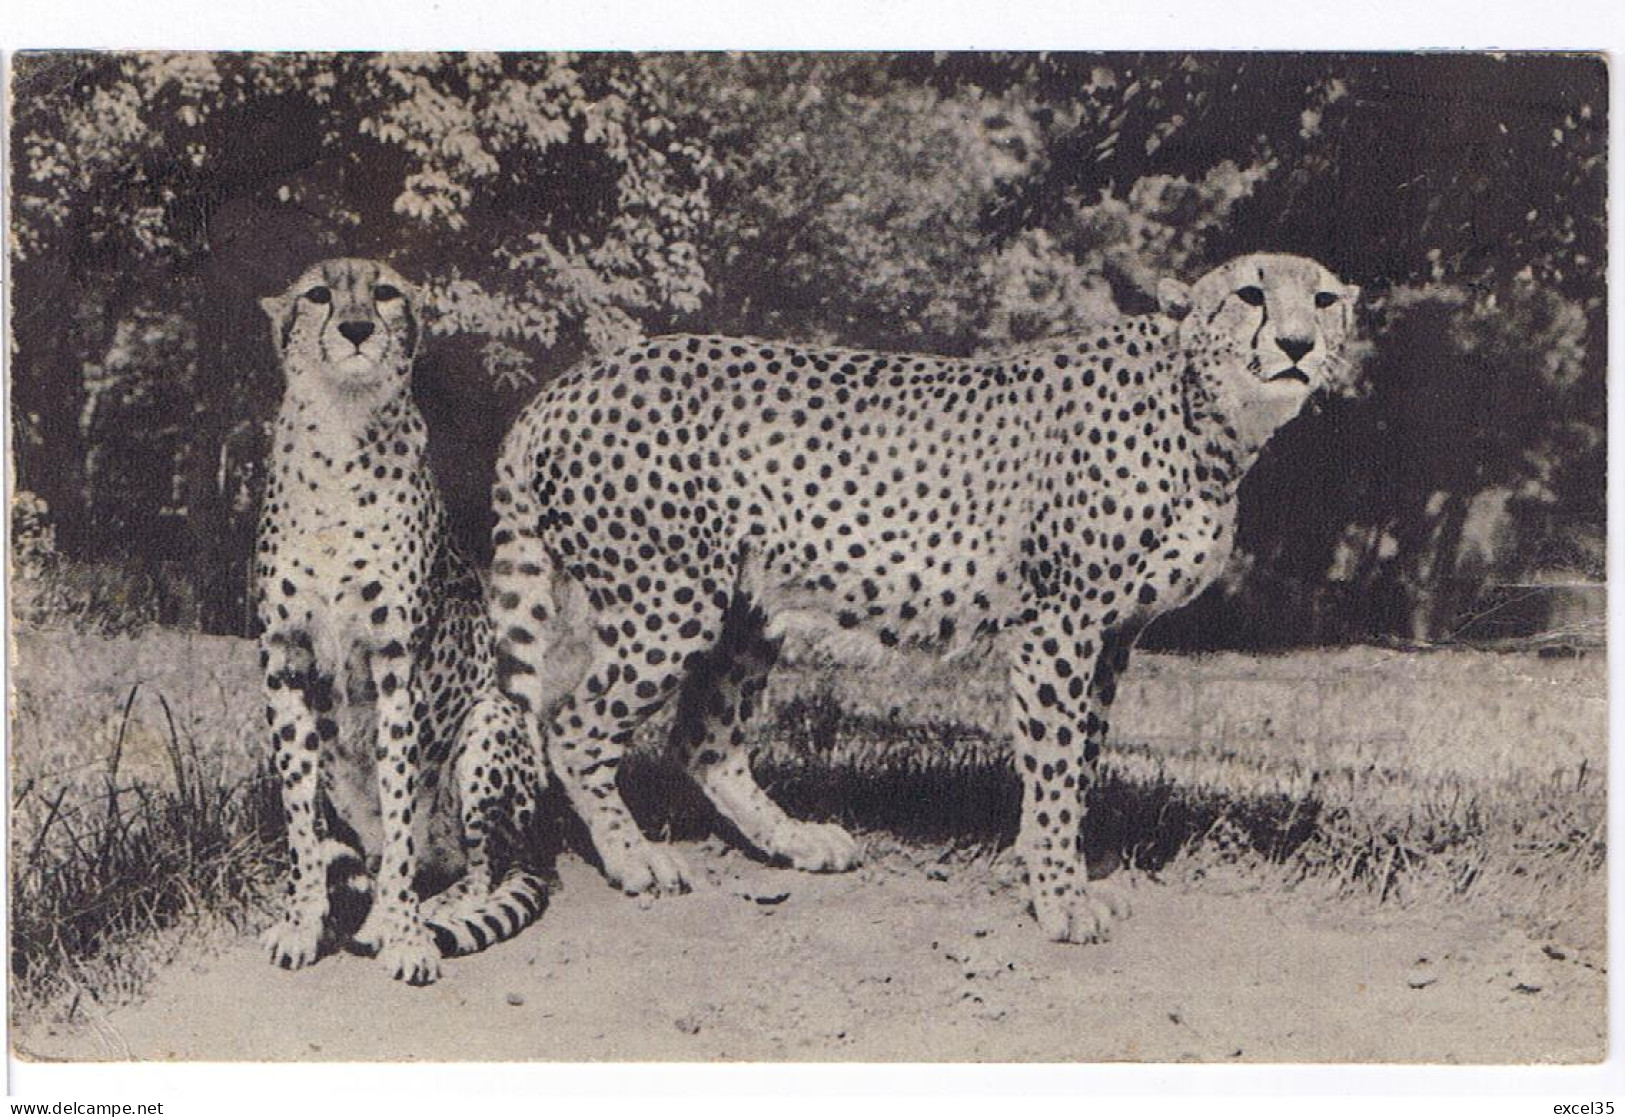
(900,960)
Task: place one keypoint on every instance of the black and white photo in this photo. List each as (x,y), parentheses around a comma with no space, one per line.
(893,556)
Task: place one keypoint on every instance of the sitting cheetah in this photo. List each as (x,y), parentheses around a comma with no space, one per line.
(689,501)
(377,652)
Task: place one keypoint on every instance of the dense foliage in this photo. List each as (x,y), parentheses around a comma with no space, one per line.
(555,205)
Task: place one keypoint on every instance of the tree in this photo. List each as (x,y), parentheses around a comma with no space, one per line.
(555,205)
(545,202)
(1467,193)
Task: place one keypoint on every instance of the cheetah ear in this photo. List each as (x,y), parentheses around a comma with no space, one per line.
(279,309)
(1173,298)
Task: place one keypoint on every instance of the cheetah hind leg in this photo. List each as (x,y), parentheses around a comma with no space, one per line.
(499,782)
(718,699)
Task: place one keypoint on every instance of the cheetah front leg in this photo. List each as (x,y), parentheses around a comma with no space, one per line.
(296,752)
(1060,699)
(405,944)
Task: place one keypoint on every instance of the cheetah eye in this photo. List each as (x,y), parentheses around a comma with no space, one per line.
(319,295)
(385,293)
(1323,299)
(1252,296)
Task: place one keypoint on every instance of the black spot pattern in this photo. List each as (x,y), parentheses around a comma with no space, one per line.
(691,496)
(380,665)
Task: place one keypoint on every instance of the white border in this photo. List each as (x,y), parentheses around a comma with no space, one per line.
(813,24)
(1592,25)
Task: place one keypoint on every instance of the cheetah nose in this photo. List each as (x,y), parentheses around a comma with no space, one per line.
(1294,347)
(355,332)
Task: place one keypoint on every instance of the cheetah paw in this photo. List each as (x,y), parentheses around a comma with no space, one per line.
(645,867)
(294,941)
(412,958)
(1080,915)
(815,847)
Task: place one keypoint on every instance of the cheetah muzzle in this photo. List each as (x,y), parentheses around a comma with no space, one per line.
(666,515)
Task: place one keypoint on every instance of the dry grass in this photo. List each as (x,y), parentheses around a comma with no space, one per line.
(1463,777)
(1407,777)
(132,813)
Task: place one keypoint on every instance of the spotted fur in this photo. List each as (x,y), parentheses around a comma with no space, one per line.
(669,514)
(393,743)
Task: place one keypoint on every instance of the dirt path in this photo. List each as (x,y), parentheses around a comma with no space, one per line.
(889,963)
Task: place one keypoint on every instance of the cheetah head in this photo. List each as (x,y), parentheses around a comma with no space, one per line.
(1260,335)
(1269,324)
(352,324)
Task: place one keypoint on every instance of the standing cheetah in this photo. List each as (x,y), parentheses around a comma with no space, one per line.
(666,515)
(377,652)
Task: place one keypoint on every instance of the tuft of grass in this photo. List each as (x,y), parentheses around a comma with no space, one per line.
(104,859)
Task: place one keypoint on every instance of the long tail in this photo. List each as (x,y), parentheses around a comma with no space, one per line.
(542,620)
(473,923)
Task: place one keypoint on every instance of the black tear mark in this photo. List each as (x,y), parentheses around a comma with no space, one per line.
(328,315)
(289,311)
(411,328)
